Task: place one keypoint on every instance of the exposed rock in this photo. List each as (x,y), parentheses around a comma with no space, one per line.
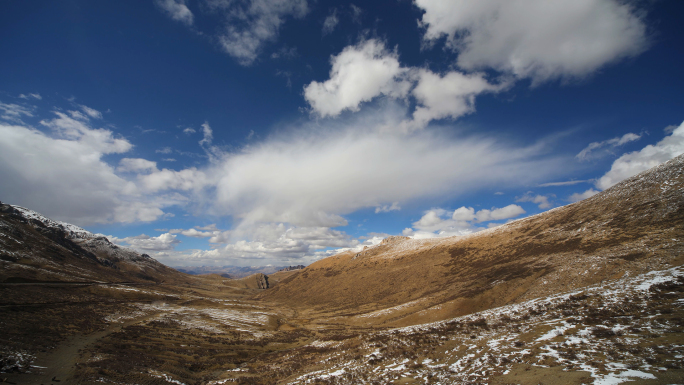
(291,268)
(261,280)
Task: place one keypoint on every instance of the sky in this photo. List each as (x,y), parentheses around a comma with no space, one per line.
(248,133)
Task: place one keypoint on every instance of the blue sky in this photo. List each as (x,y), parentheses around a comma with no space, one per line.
(226,132)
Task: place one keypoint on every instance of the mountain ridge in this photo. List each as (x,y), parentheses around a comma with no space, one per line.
(34,247)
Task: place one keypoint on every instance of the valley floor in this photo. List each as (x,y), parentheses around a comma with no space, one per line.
(630,330)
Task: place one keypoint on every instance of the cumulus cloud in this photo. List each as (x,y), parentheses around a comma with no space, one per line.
(442,223)
(330,22)
(359,73)
(99,139)
(67,179)
(194,233)
(136,165)
(536,39)
(599,149)
(451,95)
(177,10)
(271,240)
(165,179)
(145,243)
(541,200)
(251,24)
(368,70)
(576,197)
(63,175)
(510,211)
(650,156)
(189,131)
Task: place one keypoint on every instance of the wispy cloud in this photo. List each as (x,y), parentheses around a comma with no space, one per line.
(251,24)
(177,10)
(330,22)
(566,183)
(599,149)
(31,96)
(14,112)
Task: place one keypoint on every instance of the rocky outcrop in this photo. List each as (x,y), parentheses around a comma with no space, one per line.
(261,280)
(291,268)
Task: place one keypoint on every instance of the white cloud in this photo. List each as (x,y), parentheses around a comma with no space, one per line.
(330,22)
(208,135)
(576,197)
(136,165)
(93,113)
(31,96)
(536,39)
(387,208)
(359,73)
(250,24)
(463,214)
(276,240)
(177,10)
(185,180)
(195,233)
(590,152)
(13,112)
(189,131)
(100,139)
(566,183)
(65,177)
(356,13)
(510,211)
(145,243)
(310,178)
(368,70)
(650,156)
(438,222)
(541,200)
(164,150)
(451,95)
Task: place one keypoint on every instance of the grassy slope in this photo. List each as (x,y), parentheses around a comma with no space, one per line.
(636,226)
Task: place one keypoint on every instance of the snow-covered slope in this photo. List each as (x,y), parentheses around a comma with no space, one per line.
(35,247)
(70,230)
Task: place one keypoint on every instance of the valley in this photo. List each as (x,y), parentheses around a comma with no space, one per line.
(592,292)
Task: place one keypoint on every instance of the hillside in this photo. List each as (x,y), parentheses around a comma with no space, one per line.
(36,248)
(632,228)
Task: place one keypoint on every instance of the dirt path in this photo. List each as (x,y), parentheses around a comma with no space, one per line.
(57,365)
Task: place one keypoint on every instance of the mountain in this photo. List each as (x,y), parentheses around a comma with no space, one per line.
(631,228)
(34,248)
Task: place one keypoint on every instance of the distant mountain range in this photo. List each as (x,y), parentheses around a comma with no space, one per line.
(236,271)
